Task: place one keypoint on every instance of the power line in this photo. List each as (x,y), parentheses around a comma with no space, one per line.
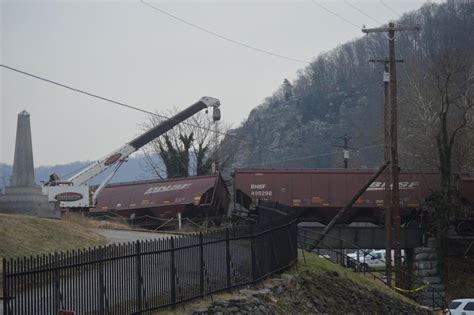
(121,104)
(310,156)
(335,14)
(222,36)
(238,138)
(360,11)
(292,159)
(162,116)
(390,8)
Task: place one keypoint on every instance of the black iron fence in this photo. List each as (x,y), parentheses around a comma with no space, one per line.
(138,277)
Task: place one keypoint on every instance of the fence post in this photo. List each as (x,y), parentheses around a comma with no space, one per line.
(227,256)
(173,273)
(101,283)
(5,288)
(252,254)
(56,283)
(275,259)
(201,266)
(292,248)
(433,299)
(295,238)
(139,275)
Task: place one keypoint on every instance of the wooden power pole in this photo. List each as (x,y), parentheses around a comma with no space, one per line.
(395,195)
(386,156)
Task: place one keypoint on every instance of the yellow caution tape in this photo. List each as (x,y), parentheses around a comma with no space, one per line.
(412,290)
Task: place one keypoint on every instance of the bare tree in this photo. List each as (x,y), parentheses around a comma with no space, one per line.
(438,113)
(190,148)
(454,84)
(437,121)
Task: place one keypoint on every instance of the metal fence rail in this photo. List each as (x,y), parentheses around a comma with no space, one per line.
(141,276)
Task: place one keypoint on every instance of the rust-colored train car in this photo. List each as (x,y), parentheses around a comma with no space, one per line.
(319,192)
(197,196)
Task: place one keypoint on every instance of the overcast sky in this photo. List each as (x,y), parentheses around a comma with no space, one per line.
(129,52)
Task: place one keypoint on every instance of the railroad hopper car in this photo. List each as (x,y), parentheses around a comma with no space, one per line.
(196,197)
(319,193)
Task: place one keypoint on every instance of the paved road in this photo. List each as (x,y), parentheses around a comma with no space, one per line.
(125,236)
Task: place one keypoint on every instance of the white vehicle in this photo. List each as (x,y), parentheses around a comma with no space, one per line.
(460,307)
(360,254)
(374,259)
(75,193)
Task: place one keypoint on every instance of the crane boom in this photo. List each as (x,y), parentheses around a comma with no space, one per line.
(68,196)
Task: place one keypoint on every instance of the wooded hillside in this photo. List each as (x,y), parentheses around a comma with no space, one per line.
(340,92)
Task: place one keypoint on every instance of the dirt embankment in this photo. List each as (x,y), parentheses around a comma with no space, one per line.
(311,292)
(315,287)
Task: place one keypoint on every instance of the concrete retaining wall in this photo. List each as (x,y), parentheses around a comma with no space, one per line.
(426,269)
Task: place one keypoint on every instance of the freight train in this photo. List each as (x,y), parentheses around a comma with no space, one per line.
(153,201)
(319,193)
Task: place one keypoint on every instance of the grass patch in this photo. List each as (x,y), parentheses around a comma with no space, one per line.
(22,235)
(26,235)
(314,263)
(90,223)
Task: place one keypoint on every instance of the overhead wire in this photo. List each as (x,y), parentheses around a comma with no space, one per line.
(238,138)
(264,51)
(226,39)
(289,160)
(390,8)
(309,156)
(121,103)
(165,117)
(335,14)
(362,12)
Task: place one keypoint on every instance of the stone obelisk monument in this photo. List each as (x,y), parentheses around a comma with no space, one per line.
(23,196)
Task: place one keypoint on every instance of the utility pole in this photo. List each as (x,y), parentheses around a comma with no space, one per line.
(386,156)
(346,148)
(395,198)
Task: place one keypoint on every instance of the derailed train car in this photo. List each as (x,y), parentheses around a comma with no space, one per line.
(196,197)
(318,193)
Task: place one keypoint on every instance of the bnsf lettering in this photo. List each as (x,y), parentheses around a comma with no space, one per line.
(376,185)
(408,185)
(401,185)
(158,189)
(261,193)
(257,186)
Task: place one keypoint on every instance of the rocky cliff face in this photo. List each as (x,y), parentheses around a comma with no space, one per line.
(341,93)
